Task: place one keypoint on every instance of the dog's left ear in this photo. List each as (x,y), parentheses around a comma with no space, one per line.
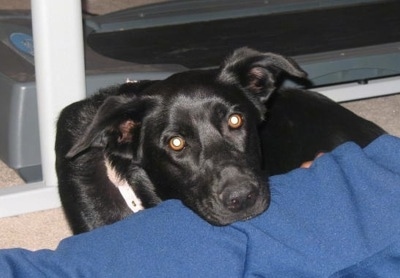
(258,72)
(115,125)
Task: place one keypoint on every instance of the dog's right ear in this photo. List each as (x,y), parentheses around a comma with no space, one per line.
(258,72)
(115,122)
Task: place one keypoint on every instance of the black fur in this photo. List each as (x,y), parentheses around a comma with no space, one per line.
(220,173)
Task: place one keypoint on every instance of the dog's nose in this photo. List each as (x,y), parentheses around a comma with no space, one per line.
(239,198)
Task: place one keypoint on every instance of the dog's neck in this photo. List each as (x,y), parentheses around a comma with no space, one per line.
(132,201)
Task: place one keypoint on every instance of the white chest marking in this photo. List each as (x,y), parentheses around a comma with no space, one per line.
(132,201)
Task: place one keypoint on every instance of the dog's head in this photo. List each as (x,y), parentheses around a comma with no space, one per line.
(196,134)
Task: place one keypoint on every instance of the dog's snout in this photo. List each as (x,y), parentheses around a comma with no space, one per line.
(239,198)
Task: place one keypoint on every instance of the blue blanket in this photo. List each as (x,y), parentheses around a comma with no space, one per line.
(340,218)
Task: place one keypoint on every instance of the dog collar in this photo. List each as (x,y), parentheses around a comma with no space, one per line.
(132,201)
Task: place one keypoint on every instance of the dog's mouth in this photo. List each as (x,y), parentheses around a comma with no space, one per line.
(217,213)
(226,217)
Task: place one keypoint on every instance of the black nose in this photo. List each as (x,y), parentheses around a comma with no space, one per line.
(239,198)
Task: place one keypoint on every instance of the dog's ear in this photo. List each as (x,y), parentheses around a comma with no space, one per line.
(116,124)
(258,72)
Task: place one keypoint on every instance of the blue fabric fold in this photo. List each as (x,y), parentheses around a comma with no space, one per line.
(339,218)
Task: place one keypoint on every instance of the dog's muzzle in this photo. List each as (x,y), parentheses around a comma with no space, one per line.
(239,197)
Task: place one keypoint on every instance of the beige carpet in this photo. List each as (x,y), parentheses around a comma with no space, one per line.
(92,6)
(35,230)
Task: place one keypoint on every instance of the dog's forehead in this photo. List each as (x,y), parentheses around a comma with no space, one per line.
(203,101)
(198,95)
(198,104)
(199,86)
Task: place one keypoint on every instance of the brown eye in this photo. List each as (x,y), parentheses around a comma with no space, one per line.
(235,121)
(176,143)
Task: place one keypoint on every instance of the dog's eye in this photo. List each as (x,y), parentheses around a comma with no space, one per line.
(235,121)
(176,143)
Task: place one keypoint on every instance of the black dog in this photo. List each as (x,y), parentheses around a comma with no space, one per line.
(206,137)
